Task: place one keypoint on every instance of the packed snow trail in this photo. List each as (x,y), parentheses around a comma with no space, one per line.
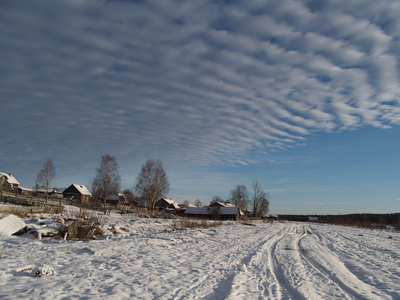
(293,265)
(233,261)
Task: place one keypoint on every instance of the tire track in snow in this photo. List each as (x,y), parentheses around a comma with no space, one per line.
(264,277)
(268,283)
(219,284)
(334,269)
(360,259)
(298,279)
(286,290)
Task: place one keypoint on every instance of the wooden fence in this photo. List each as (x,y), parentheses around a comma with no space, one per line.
(30,204)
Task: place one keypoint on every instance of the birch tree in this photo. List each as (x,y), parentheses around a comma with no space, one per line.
(240,196)
(45,176)
(107,180)
(260,200)
(152,183)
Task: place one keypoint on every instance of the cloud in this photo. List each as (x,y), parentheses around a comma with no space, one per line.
(195,83)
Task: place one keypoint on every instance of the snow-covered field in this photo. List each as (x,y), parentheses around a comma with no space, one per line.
(233,261)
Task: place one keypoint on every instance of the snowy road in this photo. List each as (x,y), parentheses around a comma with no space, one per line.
(234,261)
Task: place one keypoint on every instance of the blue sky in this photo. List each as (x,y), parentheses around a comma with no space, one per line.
(301,95)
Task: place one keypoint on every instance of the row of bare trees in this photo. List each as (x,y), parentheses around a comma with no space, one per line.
(240,197)
(151,184)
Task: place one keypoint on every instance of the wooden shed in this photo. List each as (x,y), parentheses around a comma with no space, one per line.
(78,192)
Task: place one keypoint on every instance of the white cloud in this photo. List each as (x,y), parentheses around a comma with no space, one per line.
(195,83)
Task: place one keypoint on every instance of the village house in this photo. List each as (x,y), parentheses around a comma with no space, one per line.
(222,204)
(163,203)
(167,204)
(77,192)
(8,182)
(53,193)
(215,211)
(115,199)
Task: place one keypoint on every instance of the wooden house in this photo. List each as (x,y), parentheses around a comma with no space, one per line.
(115,199)
(8,182)
(167,203)
(215,212)
(77,192)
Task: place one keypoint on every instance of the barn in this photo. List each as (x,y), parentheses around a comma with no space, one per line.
(77,192)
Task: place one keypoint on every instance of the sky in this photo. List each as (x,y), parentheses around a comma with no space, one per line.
(303,96)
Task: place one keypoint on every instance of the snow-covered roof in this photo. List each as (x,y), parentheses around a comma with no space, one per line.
(24,189)
(207,210)
(52,190)
(10,178)
(82,189)
(223,204)
(171,202)
(10,225)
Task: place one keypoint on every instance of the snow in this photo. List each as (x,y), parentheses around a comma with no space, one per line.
(145,259)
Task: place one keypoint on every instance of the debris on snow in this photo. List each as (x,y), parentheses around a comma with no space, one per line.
(243,268)
(42,271)
(248,224)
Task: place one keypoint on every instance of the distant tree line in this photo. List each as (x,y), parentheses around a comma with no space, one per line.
(361,220)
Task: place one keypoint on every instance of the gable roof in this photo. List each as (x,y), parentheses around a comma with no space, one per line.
(81,189)
(115,197)
(10,179)
(171,202)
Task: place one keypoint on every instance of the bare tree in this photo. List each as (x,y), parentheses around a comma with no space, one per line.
(107,180)
(240,196)
(186,202)
(198,203)
(46,175)
(260,200)
(152,183)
